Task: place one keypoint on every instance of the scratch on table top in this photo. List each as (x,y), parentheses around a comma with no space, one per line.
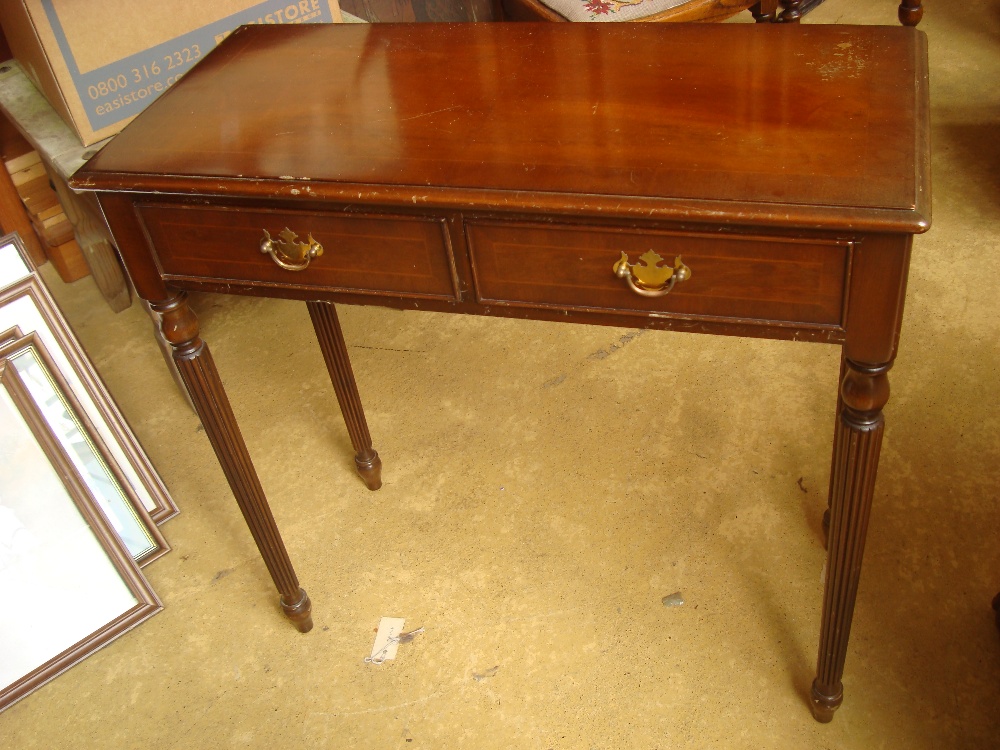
(428,114)
(846,63)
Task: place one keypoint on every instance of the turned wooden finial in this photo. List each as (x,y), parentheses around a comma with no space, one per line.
(865,390)
(179,324)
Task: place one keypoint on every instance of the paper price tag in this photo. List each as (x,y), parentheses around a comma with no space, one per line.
(386,640)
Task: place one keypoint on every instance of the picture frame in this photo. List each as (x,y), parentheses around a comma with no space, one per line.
(116,499)
(56,544)
(11,334)
(26,304)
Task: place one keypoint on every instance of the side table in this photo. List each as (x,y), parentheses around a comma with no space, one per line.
(509,170)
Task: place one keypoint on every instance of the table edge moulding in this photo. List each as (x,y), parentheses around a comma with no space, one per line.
(770,188)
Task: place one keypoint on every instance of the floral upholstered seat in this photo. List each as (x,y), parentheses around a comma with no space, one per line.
(634,10)
(610,10)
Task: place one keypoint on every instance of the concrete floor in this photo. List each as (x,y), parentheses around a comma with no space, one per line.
(511,526)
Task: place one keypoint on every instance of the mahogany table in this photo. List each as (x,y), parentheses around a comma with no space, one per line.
(733,179)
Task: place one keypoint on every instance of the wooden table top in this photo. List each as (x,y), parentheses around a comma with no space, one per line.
(797,125)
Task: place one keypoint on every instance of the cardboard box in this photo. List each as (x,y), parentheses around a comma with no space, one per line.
(101,63)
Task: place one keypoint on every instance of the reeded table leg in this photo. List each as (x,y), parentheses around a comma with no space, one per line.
(331,342)
(197,370)
(864,391)
(836,433)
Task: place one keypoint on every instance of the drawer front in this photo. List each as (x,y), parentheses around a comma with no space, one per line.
(400,256)
(737,277)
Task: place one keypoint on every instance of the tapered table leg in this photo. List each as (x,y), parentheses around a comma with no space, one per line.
(197,370)
(331,342)
(864,392)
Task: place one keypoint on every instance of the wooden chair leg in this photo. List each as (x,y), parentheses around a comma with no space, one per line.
(766,11)
(910,12)
(791,11)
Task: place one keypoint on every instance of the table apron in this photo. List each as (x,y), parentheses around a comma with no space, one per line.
(747,281)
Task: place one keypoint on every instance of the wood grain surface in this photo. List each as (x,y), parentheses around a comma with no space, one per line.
(796,122)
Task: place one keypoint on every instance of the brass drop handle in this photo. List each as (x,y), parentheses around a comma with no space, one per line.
(288,252)
(650,279)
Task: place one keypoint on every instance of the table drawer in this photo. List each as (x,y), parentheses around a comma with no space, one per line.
(739,277)
(378,254)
